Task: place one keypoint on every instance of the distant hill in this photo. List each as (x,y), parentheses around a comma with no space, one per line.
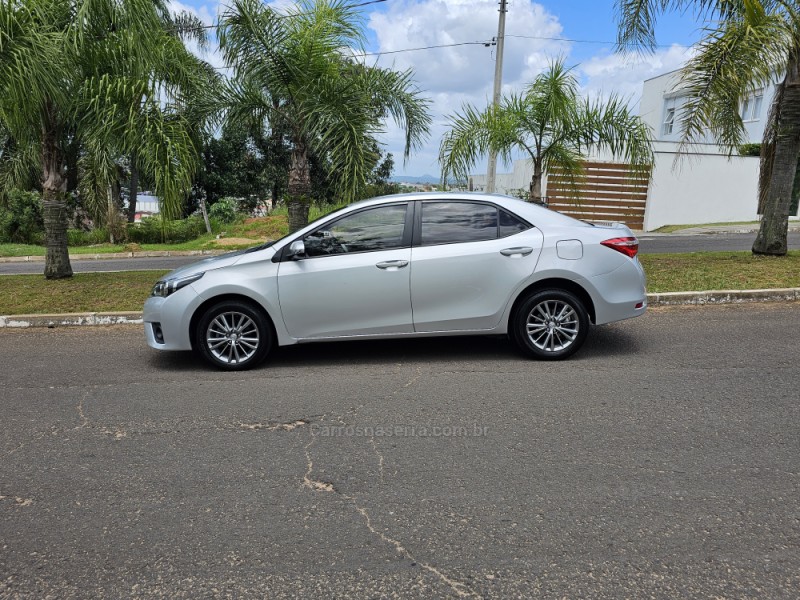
(415,179)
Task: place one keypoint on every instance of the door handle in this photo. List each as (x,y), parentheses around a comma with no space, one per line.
(392,264)
(522,251)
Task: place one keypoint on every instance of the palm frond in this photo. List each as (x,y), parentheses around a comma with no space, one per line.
(465,142)
(568,161)
(732,60)
(20,166)
(610,125)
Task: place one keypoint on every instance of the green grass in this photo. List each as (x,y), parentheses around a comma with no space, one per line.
(21,250)
(88,292)
(85,292)
(700,271)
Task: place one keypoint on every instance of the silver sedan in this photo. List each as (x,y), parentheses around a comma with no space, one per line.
(409,265)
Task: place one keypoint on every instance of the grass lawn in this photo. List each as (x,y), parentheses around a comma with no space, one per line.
(700,271)
(89,292)
(85,292)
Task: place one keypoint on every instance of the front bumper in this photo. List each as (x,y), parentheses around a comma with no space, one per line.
(167,321)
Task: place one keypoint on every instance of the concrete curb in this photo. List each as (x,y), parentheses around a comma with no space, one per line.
(716,297)
(71,319)
(110,255)
(724,297)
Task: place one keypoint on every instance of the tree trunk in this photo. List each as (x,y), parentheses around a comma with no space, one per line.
(535,193)
(772,233)
(299,188)
(54,208)
(134,189)
(111,217)
(205,213)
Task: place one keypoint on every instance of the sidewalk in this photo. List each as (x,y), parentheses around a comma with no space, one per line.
(794,227)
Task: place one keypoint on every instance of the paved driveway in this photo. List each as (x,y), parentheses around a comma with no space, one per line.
(663,460)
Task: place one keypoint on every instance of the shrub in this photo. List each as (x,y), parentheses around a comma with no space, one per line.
(750,150)
(224,210)
(155,230)
(80,237)
(21,219)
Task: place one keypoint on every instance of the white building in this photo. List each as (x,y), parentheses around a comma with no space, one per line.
(147,205)
(700,185)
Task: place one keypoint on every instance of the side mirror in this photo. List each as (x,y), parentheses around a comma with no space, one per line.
(297,249)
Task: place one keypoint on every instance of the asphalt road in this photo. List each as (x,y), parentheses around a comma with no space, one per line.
(663,461)
(648,245)
(709,242)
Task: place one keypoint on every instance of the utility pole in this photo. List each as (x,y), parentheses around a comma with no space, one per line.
(491,171)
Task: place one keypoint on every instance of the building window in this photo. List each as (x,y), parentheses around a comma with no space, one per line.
(751,106)
(669,120)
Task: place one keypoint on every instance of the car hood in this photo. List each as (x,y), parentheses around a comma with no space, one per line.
(214,262)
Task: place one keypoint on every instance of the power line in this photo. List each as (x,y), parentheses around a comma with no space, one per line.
(574,41)
(453,45)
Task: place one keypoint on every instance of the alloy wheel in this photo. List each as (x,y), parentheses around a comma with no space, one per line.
(552,325)
(232,337)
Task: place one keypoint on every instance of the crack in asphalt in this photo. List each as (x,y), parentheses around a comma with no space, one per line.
(119,432)
(97,386)
(459,588)
(18,500)
(81,413)
(380,456)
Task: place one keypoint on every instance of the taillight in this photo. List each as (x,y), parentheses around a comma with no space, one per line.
(629,246)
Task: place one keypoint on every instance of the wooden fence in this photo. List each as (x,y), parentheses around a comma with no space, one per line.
(608,192)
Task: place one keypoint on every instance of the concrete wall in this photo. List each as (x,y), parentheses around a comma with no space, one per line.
(701,188)
(507,183)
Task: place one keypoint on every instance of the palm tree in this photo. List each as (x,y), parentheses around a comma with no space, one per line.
(295,72)
(187,27)
(744,46)
(71,71)
(551,124)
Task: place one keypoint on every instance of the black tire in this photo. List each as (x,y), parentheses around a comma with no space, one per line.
(233,336)
(550,325)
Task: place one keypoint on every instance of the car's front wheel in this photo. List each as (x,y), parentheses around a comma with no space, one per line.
(233,336)
(550,325)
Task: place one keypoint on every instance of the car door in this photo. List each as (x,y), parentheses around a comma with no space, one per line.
(467,259)
(353,278)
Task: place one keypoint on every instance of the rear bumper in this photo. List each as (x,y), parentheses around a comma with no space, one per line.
(621,293)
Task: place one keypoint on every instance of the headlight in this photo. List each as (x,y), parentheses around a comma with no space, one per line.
(165,287)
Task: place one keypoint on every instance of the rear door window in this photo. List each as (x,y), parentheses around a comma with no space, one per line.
(453,222)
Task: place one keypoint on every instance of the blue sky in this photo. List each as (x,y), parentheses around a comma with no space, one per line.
(453,76)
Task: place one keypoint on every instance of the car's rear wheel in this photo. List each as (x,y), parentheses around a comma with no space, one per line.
(233,336)
(550,325)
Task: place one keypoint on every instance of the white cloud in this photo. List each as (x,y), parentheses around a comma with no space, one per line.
(623,75)
(453,76)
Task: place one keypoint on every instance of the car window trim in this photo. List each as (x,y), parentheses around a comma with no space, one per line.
(405,239)
(416,239)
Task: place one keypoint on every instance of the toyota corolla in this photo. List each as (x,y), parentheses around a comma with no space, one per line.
(410,265)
